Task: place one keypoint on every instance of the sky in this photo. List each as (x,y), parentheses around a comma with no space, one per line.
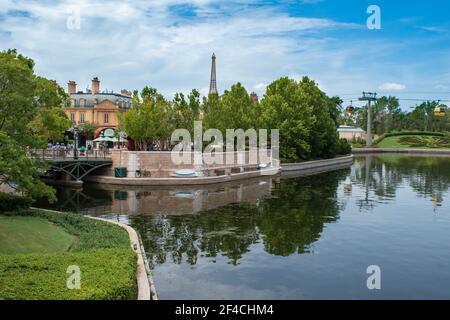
(167,44)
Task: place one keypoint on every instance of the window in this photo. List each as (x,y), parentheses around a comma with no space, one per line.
(82,103)
(81,117)
(73,102)
(72,116)
(106,118)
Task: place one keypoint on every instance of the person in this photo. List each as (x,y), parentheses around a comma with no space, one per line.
(82,150)
(50,145)
(57,149)
(63,150)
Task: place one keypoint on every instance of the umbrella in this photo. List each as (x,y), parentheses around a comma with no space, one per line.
(105,139)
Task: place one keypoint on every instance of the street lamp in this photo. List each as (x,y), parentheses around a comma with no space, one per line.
(76,130)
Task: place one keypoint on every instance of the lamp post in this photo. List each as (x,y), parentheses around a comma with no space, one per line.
(76,130)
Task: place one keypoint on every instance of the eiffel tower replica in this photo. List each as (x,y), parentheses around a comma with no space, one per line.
(213,82)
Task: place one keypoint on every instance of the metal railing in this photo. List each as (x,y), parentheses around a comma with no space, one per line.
(52,154)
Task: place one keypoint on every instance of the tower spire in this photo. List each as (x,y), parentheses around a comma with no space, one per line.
(213,81)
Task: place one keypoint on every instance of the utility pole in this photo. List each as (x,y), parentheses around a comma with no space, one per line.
(369,97)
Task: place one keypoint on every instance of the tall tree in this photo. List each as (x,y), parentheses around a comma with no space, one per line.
(30,114)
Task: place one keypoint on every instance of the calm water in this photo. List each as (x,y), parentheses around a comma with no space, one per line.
(297,238)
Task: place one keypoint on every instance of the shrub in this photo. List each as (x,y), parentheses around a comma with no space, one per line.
(106,274)
(426,142)
(10,202)
(409,133)
(102,251)
(343,147)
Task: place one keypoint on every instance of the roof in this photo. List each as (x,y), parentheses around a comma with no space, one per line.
(123,100)
(349,129)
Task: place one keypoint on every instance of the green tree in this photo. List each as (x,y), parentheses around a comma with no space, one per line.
(30,114)
(186,111)
(150,120)
(88,129)
(306,117)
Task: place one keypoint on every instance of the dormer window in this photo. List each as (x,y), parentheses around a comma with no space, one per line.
(82,103)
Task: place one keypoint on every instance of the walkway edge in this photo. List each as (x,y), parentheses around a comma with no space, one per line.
(317,164)
(145,284)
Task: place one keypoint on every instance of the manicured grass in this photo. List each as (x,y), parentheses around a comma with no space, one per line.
(32,234)
(414,142)
(102,252)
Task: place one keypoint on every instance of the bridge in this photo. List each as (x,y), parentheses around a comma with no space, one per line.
(74,166)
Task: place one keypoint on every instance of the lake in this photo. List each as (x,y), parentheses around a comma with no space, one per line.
(310,237)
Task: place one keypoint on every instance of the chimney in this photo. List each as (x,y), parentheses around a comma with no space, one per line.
(254,98)
(71,87)
(95,86)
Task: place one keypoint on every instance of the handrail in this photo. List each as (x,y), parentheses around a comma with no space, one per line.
(51,154)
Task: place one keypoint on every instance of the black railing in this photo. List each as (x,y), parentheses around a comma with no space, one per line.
(51,154)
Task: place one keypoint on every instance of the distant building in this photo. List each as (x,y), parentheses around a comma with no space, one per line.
(348,133)
(213,79)
(254,98)
(96,107)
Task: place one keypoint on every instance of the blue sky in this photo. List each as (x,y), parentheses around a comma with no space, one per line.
(167,44)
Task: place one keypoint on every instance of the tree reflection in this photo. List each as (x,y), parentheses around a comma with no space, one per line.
(287,223)
(428,176)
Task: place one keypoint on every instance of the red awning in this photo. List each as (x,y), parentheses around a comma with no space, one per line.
(99,130)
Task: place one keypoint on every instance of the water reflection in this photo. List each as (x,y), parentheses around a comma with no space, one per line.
(291,237)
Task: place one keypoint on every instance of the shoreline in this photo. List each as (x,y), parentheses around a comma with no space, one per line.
(307,167)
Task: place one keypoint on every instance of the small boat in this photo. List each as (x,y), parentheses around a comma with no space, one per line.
(185,173)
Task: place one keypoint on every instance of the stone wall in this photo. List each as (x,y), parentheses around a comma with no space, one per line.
(160,164)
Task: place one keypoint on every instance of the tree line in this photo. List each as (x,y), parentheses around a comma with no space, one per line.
(306,117)
(387,116)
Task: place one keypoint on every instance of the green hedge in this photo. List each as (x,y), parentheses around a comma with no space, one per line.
(106,274)
(10,202)
(409,133)
(102,251)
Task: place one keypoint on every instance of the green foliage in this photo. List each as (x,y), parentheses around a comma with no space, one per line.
(88,129)
(388,117)
(343,147)
(32,235)
(92,234)
(10,202)
(150,120)
(408,133)
(232,111)
(30,114)
(103,253)
(305,116)
(106,274)
(426,142)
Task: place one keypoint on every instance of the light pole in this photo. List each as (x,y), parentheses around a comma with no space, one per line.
(369,96)
(75,134)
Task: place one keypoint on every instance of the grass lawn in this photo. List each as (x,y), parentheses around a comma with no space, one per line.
(415,142)
(37,248)
(32,234)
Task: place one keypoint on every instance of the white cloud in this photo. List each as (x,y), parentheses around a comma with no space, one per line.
(131,44)
(392,86)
